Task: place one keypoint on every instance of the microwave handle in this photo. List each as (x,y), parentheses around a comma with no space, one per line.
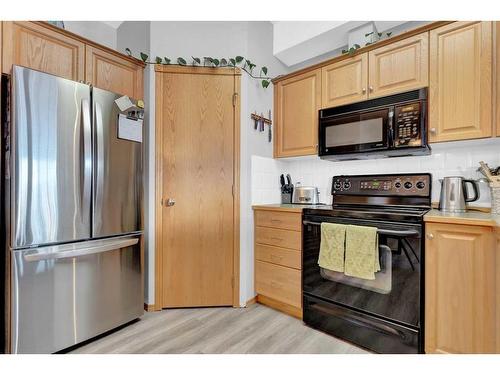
(390,120)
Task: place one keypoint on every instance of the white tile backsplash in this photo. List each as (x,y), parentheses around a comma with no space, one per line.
(447,159)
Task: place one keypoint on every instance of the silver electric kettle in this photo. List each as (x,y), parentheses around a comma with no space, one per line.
(455,194)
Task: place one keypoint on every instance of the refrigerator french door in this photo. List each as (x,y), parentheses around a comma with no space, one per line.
(74,195)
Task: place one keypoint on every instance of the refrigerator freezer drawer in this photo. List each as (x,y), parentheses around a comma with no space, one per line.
(63,295)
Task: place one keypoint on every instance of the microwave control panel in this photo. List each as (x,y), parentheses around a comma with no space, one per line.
(407,129)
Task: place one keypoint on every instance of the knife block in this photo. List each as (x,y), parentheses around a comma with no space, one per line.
(286,198)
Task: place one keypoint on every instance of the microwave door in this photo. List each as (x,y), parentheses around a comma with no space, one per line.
(356,132)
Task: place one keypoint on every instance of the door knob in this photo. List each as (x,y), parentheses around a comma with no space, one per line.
(169,202)
(430,236)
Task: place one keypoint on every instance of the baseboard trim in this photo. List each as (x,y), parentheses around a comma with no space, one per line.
(149,307)
(251,301)
(281,306)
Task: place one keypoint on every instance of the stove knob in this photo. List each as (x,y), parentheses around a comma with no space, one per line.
(408,185)
(347,185)
(337,185)
(420,184)
(397,185)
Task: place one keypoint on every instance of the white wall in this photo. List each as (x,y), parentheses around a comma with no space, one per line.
(216,39)
(96,31)
(447,159)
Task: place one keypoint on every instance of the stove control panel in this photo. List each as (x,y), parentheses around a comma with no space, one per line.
(393,185)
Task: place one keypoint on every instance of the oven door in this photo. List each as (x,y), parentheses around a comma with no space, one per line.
(394,295)
(355,132)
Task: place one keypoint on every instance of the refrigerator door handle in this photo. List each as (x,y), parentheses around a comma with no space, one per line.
(99,165)
(87,154)
(111,245)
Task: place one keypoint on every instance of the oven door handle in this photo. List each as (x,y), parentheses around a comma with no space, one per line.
(387,232)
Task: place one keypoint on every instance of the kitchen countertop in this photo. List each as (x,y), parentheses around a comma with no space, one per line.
(289,207)
(470,218)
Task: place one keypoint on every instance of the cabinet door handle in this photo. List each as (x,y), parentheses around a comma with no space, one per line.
(430,236)
(371,88)
(363,90)
(433,131)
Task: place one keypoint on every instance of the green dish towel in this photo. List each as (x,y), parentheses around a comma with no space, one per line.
(331,250)
(361,252)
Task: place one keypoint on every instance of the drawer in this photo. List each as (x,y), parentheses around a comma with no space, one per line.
(278,219)
(278,255)
(278,282)
(278,237)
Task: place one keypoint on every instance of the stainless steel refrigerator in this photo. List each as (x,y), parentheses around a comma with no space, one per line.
(73,198)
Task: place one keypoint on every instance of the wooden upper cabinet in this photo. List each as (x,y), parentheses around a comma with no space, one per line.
(459,289)
(110,72)
(460,81)
(33,46)
(345,81)
(297,102)
(400,66)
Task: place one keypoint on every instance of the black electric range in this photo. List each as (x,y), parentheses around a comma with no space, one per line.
(386,314)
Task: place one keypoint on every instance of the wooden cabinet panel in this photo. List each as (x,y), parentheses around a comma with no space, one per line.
(278,255)
(459,289)
(280,283)
(460,100)
(297,101)
(278,237)
(36,47)
(109,72)
(496,74)
(277,219)
(345,81)
(400,66)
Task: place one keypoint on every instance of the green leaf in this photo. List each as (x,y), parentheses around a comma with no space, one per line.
(367,35)
(264,70)
(265,83)
(368,43)
(223,62)
(379,34)
(167,60)
(389,34)
(356,46)
(144,57)
(128,51)
(216,62)
(196,60)
(233,62)
(238,59)
(158,60)
(344,51)
(208,60)
(181,61)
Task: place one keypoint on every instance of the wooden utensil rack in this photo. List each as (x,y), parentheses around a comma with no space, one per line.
(257,117)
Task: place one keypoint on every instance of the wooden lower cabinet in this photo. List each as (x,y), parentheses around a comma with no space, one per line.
(278,260)
(460,294)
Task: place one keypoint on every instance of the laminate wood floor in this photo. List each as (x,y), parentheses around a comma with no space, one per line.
(256,329)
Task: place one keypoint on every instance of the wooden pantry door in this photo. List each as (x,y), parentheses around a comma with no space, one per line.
(197,154)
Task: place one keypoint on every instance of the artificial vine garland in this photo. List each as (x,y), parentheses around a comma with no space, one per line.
(233,62)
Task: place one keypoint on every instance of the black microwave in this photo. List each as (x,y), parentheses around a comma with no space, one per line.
(394,125)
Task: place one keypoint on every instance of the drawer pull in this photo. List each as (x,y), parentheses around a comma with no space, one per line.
(276,221)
